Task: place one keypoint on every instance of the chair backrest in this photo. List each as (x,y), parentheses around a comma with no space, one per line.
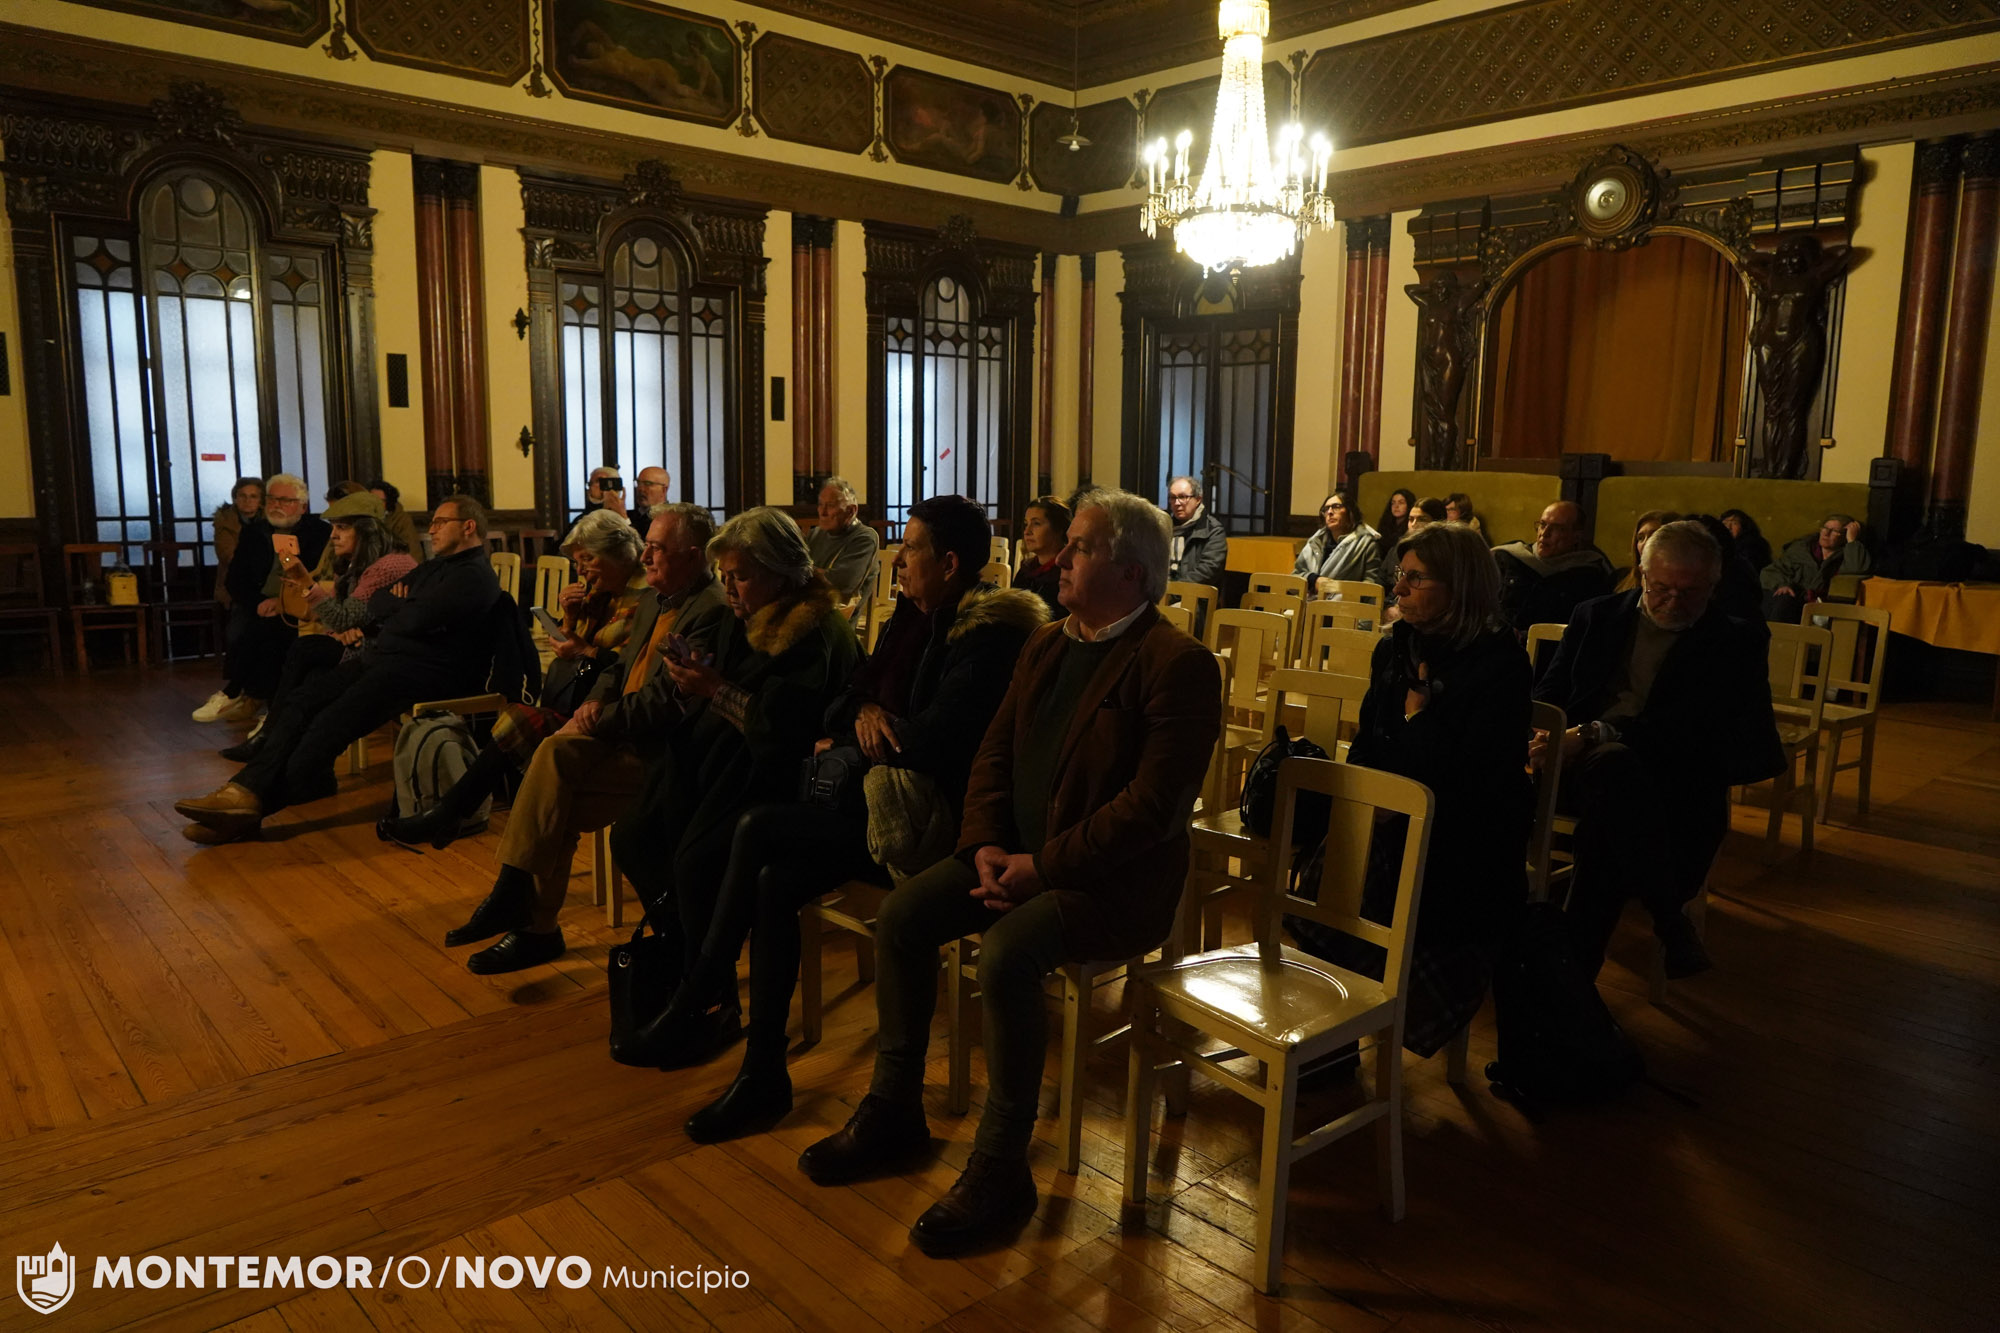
(878,620)
(1354,590)
(1322,706)
(1357,795)
(1798,672)
(1860,641)
(1001,550)
(179,570)
(534,543)
(496,540)
(885,573)
(1287,585)
(507,567)
(1202,599)
(996,571)
(552,575)
(1323,616)
(1278,604)
(21,584)
(1538,636)
(1549,718)
(1332,644)
(1256,642)
(1179,617)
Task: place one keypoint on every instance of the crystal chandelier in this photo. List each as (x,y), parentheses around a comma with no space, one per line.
(1256,200)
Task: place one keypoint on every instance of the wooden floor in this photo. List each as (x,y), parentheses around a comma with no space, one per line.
(265,1050)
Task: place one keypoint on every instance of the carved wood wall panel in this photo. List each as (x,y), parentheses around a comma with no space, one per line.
(475,39)
(1551,54)
(1106,164)
(812,94)
(299,23)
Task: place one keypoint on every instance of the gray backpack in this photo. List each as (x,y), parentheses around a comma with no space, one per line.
(432,754)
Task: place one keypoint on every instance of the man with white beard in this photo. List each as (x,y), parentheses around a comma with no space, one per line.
(259,632)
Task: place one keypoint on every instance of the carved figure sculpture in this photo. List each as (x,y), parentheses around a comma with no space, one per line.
(1789,340)
(1447,336)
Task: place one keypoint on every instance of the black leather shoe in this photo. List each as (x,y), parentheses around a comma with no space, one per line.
(517,949)
(679,1037)
(879,1137)
(510,906)
(1682,953)
(992,1201)
(244,750)
(756,1101)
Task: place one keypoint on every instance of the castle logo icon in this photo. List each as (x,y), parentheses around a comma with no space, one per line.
(45,1281)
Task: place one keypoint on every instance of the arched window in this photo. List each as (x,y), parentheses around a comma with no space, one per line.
(645,373)
(203,355)
(946,377)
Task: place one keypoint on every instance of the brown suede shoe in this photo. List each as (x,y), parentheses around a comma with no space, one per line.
(227,807)
(992,1200)
(217,837)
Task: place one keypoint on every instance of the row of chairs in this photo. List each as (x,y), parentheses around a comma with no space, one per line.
(176,601)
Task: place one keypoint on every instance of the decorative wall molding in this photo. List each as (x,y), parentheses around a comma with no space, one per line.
(474,39)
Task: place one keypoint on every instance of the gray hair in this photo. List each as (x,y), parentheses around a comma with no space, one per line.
(770,539)
(287,479)
(1141,534)
(1684,543)
(848,499)
(606,535)
(1194,485)
(697,523)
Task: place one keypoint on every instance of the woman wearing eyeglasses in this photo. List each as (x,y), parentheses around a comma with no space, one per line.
(1447,705)
(1344,548)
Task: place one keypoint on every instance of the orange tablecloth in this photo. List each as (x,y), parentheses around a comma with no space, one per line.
(1945,615)
(1263,555)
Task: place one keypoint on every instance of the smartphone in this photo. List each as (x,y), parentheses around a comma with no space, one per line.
(285,543)
(550,625)
(611,483)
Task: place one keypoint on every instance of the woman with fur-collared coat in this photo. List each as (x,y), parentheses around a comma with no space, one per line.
(752,713)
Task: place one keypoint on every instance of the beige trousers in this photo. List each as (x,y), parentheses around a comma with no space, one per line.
(574,785)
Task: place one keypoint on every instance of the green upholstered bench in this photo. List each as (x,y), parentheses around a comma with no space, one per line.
(1508,503)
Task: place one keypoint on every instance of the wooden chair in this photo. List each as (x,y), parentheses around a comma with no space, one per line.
(851,908)
(507,567)
(552,575)
(24,608)
(1860,641)
(607,886)
(1178,616)
(1548,634)
(1001,551)
(1331,644)
(997,572)
(1800,656)
(497,541)
(1278,604)
(1285,1008)
(1283,585)
(186,602)
(533,545)
(1358,593)
(1203,600)
(1253,644)
(85,562)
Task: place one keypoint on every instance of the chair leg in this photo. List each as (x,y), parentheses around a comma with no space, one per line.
(1274,1170)
(1076,1045)
(958,1056)
(864,958)
(1809,794)
(600,865)
(1828,771)
(1389,1129)
(1867,764)
(1781,796)
(812,939)
(1138,1103)
(1454,1057)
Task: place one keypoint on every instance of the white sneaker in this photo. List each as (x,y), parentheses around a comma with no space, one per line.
(212,710)
(240,709)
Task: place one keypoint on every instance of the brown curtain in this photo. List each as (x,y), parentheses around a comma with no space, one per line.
(1637,354)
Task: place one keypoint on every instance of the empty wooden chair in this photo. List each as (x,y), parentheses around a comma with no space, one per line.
(1854,680)
(507,568)
(534,545)
(185,607)
(1799,659)
(88,563)
(1285,1008)
(1283,585)
(24,608)
(1278,604)
(552,575)
(1541,644)
(1001,551)
(851,908)
(1333,644)
(997,572)
(1201,599)
(1178,616)
(1253,644)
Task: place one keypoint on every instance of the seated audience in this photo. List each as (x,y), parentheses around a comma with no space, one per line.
(359,562)
(1543,583)
(246,501)
(1738,594)
(1458,509)
(844,548)
(1422,514)
(1073,847)
(1649,523)
(1669,702)
(918,708)
(649,492)
(780,660)
(1344,548)
(262,628)
(604,489)
(434,640)
(600,607)
(1200,547)
(591,770)
(1806,569)
(1395,520)
(1044,532)
(1750,541)
(1447,705)
(401,530)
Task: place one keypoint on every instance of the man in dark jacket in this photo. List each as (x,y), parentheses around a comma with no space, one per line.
(1670,705)
(1073,848)
(1542,582)
(434,640)
(259,633)
(1200,544)
(587,774)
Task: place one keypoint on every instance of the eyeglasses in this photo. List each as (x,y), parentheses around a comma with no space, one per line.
(446,522)
(1333,508)
(283,500)
(1544,525)
(1415,581)
(1663,593)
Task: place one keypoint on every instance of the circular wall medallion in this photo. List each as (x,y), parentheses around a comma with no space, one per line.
(1606,198)
(1610,199)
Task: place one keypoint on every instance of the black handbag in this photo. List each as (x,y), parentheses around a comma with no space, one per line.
(569,681)
(641,976)
(831,780)
(1260,792)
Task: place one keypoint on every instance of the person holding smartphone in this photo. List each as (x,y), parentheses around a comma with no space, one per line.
(260,635)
